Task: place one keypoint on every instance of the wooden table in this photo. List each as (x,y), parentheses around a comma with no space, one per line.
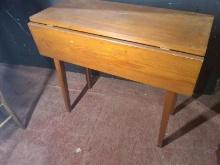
(160,47)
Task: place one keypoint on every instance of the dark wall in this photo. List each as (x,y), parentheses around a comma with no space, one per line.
(16,43)
(17,46)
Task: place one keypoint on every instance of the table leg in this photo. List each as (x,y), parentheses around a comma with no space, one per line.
(61,75)
(174,103)
(169,103)
(89,78)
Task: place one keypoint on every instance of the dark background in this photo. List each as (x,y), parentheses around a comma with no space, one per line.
(17,46)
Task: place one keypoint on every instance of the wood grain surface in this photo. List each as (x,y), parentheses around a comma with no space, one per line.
(164,28)
(169,70)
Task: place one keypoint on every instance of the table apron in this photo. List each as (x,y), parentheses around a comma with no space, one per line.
(149,65)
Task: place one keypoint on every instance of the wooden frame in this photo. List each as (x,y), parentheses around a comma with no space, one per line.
(160,47)
(169,100)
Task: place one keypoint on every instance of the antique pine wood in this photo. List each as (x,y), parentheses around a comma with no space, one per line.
(169,104)
(61,75)
(168,29)
(89,78)
(165,69)
(160,47)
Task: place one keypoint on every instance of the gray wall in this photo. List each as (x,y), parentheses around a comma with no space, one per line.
(17,46)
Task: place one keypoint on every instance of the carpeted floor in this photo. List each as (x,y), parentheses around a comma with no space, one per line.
(115,123)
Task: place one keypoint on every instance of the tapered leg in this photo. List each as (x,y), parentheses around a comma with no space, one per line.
(169,103)
(174,103)
(61,75)
(89,78)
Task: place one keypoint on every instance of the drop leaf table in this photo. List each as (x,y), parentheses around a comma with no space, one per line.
(160,47)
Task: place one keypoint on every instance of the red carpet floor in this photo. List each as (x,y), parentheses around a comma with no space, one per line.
(115,123)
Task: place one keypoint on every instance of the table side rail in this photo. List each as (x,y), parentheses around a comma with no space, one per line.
(173,71)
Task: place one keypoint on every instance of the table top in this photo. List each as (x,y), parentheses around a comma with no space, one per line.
(163,28)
